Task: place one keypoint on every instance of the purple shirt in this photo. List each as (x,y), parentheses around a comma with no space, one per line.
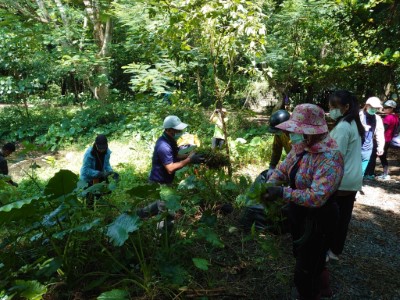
(165,153)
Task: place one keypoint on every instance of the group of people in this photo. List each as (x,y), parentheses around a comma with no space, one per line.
(324,171)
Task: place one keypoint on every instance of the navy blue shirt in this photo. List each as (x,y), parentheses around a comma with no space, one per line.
(165,153)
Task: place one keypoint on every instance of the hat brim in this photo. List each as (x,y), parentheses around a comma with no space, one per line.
(181,126)
(273,130)
(376,106)
(297,127)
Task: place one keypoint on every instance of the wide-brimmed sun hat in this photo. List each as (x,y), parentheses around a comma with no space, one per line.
(374,102)
(306,119)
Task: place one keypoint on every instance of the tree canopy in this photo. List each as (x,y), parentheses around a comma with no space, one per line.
(202,51)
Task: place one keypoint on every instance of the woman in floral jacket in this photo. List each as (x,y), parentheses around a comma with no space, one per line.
(313,171)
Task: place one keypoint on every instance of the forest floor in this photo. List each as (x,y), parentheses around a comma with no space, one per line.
(369,267)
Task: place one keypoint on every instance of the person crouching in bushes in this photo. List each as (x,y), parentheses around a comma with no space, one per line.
(96,164)
(5,151)
(313,170)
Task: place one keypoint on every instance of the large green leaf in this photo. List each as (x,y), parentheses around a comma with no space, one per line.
(114,295)
(118,231)
(32,289)
(18,210)
(144,191)
(81,228)
(171,198)
(62,183)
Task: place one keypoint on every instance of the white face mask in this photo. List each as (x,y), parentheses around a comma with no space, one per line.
(177,135)
(296,138)
(335,113)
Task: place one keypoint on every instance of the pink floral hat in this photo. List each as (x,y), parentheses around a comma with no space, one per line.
(306,119)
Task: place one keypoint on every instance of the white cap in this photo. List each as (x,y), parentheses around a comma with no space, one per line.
(174,122)
(374,102)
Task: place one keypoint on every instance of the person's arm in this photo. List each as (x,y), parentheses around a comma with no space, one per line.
(3,167)
(88,164)
(276,151)
(212,115)
(280,174)
(341,134)
(379,136)
(107,166)
(173,167)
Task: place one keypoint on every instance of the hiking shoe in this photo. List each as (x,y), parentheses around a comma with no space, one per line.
(384,177)
(369,177)
(331,256)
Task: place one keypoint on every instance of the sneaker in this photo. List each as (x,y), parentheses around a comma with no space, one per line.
(384,177)
(331,256)
(369,177)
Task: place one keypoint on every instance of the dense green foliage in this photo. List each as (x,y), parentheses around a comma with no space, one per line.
(72,69)
(197,50)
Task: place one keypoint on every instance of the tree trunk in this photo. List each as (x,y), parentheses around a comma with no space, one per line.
(199,85)
(102,34)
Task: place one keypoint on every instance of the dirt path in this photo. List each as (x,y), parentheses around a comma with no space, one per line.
(369,267)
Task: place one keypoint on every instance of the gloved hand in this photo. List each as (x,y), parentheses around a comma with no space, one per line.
(273,193)
(13,183)
(196,158)
(103,174)
(115,175)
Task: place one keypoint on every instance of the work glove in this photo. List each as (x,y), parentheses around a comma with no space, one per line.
(115,175)
(103,175)
(196,158)
(273,193)
(14,183)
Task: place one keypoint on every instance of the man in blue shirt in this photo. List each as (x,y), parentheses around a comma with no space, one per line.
(165,161)
(96,166)
(96,161)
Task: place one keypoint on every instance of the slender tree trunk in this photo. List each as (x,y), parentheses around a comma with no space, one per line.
(43,11)
(199,85)
(63,14)
(102,34)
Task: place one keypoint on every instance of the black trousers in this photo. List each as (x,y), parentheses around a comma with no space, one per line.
(345,205)
(383,157)
(317,225)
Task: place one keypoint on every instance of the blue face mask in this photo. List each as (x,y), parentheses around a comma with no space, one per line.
(296,138)
(335,114)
